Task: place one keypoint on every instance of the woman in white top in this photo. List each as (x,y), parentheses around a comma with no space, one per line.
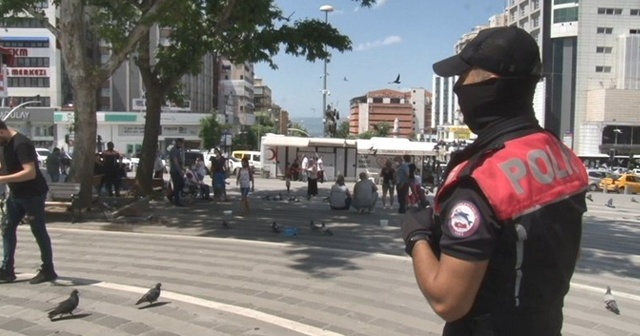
(339,197)
(245,180)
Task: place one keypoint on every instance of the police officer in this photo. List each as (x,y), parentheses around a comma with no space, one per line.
(496,252)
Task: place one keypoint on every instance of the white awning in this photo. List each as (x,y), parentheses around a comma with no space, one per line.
(391,146)
(331,142)
(275,140)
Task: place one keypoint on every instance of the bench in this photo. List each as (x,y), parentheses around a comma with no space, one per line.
(65,194)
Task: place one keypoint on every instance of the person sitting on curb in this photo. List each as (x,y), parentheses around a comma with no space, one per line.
(339,196)
(365,194)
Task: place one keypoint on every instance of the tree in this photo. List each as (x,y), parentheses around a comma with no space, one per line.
(298,130)
(211,132)
(343,130)
(241,30)
(118,22)
(382,129)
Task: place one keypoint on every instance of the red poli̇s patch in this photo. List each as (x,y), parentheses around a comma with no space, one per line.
(464,219)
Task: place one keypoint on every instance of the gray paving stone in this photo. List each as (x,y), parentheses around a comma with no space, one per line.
(111,321)
(16,325)
(135,328)
(38,331)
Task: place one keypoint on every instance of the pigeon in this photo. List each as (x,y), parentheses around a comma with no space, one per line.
(610,302)
(328,232)
(397,81)
(67,306)
(151,296)
(314,227)
(345,79)
(226,225)
(276,228)
(633,200)
(610,203)
(589,197)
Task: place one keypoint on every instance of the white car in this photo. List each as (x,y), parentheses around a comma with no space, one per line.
(42,153)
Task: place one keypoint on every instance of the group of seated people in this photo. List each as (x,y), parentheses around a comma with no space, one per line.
(364,198)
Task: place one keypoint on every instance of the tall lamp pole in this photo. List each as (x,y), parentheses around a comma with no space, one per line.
(326,9)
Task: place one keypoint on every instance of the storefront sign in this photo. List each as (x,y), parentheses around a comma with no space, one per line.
(180,130)
(26,72)
(19,52)
(131,130)
(15,115)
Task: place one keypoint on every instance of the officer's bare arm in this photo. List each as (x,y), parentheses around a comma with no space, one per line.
(450,285)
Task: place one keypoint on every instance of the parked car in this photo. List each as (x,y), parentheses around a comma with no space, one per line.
(42,153)
(595,176)
(619,183)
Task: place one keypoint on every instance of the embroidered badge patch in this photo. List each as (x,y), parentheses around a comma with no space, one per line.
(464,219)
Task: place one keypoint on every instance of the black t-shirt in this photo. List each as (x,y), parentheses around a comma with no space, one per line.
(111,161)
(19,151)
(218,164)
(531,260)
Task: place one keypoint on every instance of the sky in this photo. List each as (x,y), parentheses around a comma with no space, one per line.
(393,37)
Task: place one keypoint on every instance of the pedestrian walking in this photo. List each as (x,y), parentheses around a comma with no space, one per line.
(28,192)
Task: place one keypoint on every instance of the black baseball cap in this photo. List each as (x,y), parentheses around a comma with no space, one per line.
(506,51)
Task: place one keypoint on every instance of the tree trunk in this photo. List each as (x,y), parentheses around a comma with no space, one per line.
(72,27)
(85,141)
(144,173)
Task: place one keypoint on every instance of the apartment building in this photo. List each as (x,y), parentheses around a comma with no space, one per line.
(124,91)
(594,74)
(407,110)
(235,99)
(35,73)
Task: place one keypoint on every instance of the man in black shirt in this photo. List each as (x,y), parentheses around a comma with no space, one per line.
(28,191)
(111,161)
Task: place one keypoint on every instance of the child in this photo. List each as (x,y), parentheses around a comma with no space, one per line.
(245,180)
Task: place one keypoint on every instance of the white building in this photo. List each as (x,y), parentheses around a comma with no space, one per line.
(528,15)
(37,70)
(126,129)
(596,52)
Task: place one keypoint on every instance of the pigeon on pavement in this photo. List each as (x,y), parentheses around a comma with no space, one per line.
(589,197)
(314,227)
(633,200)
(226,225)
(276,228)
(151,296)
(610,302)
(610,203)
(67,306)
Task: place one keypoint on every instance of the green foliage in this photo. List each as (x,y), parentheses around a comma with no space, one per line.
(343,130)
(211,132)
(382,129)
(297,129)
(366,135)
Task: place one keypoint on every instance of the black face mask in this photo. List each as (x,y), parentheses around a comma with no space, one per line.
(495,99)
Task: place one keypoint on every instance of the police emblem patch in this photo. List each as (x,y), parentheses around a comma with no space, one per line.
(464,219)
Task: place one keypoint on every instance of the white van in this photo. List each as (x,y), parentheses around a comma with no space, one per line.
(253,156)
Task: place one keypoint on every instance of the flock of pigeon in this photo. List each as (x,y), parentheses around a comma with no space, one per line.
(609,203)
(67,306)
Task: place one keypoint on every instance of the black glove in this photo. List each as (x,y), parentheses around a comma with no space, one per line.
(418,224)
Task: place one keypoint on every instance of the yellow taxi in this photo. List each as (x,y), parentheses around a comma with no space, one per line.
(618,183)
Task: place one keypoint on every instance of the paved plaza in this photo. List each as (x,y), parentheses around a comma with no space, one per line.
(248,280)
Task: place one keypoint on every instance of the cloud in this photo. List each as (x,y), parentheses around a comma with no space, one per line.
(389,40)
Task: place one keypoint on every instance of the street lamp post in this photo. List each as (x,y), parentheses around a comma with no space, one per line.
(19,106)
(326,9)
(616,131)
